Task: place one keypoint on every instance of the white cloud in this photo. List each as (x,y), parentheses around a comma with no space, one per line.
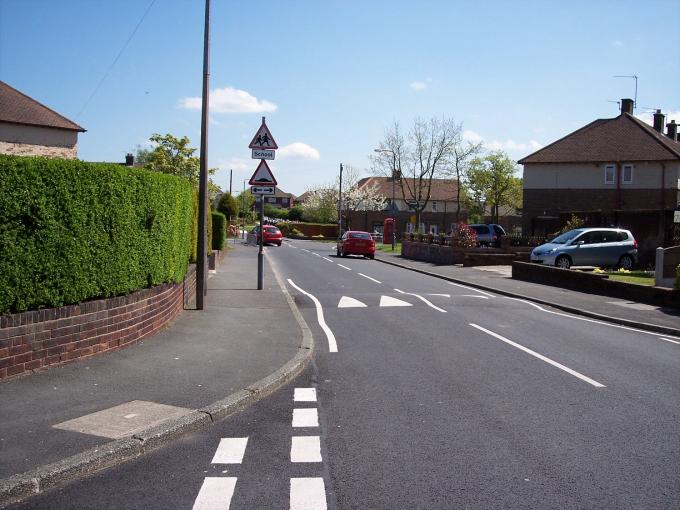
(229,100)
(418,85)
(500,145)
(298,150)
(236,164)
(617,44)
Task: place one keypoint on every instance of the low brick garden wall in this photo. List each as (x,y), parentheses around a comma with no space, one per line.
(447,255)
(42,338)
(595,284)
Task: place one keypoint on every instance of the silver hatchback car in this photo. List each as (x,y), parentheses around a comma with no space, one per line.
(602,247)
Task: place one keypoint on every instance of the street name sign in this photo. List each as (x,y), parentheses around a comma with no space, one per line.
(263,154)
(263,139)
(263,176)
(263,190)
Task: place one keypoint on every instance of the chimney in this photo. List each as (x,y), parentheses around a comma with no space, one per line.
(129,159)
(658,121)
(672,131)
(627,106)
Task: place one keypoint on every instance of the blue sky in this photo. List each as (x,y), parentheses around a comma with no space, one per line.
(331,76)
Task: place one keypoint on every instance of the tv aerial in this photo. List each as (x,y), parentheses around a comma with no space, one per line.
(635,77)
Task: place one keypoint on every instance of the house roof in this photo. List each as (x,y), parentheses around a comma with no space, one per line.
(623,138)
(279,193)
(441,189)
(18,108)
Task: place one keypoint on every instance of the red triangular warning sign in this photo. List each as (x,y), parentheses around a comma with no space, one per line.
(263,139)
(263,176)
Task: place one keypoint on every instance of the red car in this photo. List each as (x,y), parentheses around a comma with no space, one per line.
(354,242)
(272,235)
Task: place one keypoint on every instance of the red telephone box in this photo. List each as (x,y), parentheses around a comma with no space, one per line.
(388,230)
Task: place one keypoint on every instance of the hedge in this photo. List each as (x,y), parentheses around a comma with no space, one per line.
(73,231)
(219,230)
(194,229)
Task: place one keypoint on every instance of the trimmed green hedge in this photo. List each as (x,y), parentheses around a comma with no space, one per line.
(219,230)
(72,231)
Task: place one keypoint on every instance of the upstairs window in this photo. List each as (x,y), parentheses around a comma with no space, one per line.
(434,206)
(610,174)
(627,177)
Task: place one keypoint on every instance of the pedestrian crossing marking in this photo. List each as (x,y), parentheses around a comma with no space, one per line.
(348,302)
(390,301)
(215,493)
(230,450)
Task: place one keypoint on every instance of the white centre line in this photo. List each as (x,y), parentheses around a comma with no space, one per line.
(305,395)
(305,449)
(315,254)
(471,288)
(307,417)
(669,340)
(305,249)
(215,494)
(329,260)
(332,344)
(345,267)
(230,450)
(541,357)
(307,494)
(372,279)
(422,299)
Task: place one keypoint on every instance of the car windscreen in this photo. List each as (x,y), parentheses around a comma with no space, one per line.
(566,237)
(360,235)
(499,230)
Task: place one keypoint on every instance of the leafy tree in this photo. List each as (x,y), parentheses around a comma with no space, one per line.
(418,158)
(228,206)
(459,165)
(295,213)
(492,183)
(321,206)
(275,212)
(245,201)
(359,198)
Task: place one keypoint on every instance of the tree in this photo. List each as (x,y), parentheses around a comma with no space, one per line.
(359,198)
(228,206)
(295,213)
(321,205)
(492,183)
(246,201)
(462,155)
(417,159)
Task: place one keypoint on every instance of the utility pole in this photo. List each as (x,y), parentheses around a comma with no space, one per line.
(340,206)
(202,249)
(231,174)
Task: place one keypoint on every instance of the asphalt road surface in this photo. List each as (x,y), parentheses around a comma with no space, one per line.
(424,394)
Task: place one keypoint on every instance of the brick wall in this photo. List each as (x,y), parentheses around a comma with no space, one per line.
(41,338)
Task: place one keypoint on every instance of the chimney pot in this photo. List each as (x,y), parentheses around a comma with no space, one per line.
(129,159)
(627,106)
(672,131)
(658,121)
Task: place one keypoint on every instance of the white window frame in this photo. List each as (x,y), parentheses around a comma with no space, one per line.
(613,179)
(434,206)
(623,174)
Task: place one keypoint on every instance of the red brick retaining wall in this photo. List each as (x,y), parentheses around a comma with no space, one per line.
(41,338)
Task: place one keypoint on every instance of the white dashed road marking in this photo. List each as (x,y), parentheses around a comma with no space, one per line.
(230,450)
(422,299)
(332,344)
(305,418)
(305,449)
(390,301)
(215,493)
(305,395)
(540,356)
(372,279)
(345,267)
(307,494)
(348,302)
(329,260)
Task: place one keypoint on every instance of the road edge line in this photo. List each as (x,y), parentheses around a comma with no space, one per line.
(654,328)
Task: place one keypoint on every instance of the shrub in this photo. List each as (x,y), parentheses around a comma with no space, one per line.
(194,228)
(463,236)
(227,205)
(219,230)
(73,231)
(295,213)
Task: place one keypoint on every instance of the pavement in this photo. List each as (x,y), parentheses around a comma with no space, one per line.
(71,421)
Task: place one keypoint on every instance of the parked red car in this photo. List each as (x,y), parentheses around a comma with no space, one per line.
(272,235)
(354,242)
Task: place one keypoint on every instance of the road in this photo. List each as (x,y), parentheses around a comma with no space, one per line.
(426,394)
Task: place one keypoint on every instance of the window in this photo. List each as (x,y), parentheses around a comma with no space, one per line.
(284,201)
(271,199)
(609,174)
(627,177)
(434,206)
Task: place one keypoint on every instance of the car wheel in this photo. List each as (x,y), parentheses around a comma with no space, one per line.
(563,262)
(626,262)
(337,252)
(371,256)
(278,244)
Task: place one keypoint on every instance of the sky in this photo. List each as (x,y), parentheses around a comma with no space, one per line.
(332,76)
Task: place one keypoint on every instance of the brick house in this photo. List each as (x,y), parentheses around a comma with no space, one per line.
(438,215)
(280,199)
(611,172)
(29,128)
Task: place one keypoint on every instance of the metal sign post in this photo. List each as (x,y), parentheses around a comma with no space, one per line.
(260,253)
